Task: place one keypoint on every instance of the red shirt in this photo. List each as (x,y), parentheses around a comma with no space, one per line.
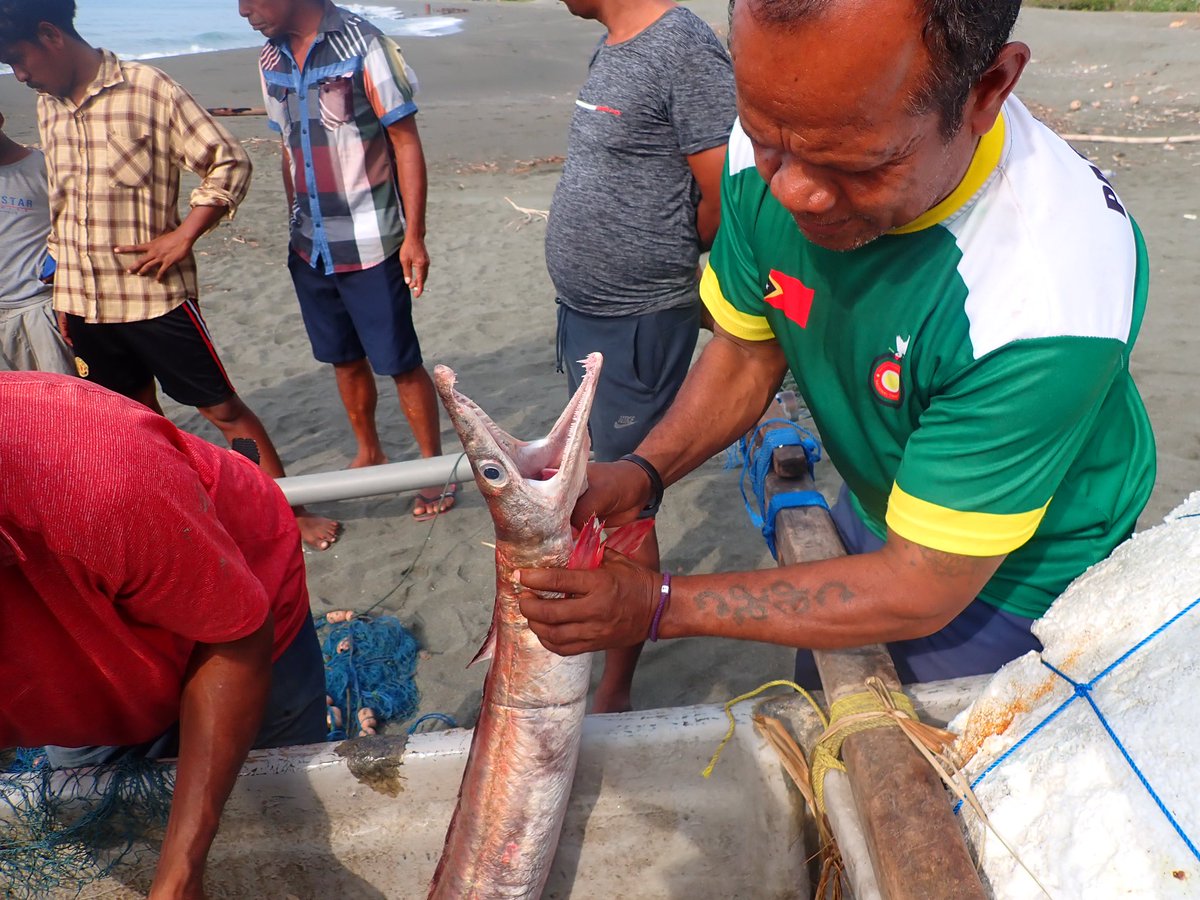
(123,543)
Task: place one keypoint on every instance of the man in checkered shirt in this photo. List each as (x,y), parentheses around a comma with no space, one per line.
(340,95)
(115,135)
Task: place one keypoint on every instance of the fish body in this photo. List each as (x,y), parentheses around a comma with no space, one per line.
(504,833)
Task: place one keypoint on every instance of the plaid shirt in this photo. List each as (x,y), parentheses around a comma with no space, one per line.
(333,114)
(113,163)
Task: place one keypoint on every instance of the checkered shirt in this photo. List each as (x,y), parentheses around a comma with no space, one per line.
(333,114)
(113,162)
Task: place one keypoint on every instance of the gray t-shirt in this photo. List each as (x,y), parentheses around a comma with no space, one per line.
(621,239)
(24,225)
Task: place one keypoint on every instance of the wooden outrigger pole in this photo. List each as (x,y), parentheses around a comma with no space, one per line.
(916,845)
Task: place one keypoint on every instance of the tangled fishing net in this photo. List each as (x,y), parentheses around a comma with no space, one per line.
(60,830)
(370,663)
(63,829)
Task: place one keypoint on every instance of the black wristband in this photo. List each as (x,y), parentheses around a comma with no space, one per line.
(656,483)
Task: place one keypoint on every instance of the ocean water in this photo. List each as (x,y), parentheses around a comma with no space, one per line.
(146,29)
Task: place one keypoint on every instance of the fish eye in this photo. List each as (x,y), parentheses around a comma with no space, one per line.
(493,473)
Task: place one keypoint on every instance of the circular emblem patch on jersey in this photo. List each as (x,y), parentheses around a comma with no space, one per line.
(81,367)
(885,379)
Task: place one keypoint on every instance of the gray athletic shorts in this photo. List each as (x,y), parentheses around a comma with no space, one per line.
(646,358)
(30,342)
(979,640)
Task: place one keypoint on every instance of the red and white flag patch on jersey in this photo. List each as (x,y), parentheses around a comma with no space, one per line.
(790,296)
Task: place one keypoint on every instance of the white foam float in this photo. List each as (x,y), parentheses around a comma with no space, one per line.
(1054,782)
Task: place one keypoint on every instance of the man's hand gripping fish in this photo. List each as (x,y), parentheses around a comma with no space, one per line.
(514,792)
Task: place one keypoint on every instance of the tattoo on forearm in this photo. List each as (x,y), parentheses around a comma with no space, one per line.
(834,593)
(742,604)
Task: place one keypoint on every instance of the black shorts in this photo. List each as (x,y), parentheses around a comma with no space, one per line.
(176,349)
(646,358)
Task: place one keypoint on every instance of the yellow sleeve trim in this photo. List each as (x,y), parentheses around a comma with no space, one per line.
(736,322)
(953,531)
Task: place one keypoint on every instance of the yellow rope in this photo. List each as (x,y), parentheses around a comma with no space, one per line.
(851,715)
(708,770)
(876,707)
(869,709)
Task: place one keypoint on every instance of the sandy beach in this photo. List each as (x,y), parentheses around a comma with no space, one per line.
(495,105)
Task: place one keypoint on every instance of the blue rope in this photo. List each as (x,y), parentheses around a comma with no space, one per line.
(757,465)
(1084,690)
(446,720)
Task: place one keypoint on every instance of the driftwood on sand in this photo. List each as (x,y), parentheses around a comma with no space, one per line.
(237,111)
(1132,139)
(529,215)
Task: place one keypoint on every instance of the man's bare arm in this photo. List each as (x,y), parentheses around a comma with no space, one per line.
(224,695)
(205,148)
(902,591)
(286,167)
(899,592)
(411,177)
(706,167)
(722,397)
(166,251)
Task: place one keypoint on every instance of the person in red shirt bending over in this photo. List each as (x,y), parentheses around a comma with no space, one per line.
(154,602)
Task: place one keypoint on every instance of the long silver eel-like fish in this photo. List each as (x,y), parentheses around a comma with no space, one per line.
(514,793)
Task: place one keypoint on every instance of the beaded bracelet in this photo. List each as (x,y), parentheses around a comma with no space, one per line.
(664,597)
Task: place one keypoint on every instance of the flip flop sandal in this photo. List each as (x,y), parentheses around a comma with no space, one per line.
(436,505)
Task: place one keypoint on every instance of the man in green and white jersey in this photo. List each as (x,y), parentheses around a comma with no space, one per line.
(956,292)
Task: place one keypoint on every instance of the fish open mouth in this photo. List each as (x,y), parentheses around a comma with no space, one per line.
(554,466)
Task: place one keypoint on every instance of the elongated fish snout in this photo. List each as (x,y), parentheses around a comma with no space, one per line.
(520,479)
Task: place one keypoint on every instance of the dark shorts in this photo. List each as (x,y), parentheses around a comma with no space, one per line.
(646,358)
(295,711)
(978,641)
(177,349)
(358,315)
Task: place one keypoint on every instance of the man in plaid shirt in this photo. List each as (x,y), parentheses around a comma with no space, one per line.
(340,94)
(115,134)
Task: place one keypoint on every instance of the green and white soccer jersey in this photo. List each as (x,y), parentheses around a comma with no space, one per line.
(969,373)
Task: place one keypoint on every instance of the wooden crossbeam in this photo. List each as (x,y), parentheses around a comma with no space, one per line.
(916,844)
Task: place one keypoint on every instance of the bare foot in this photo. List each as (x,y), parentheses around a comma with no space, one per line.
(317,532)
(368,458)
(611,702)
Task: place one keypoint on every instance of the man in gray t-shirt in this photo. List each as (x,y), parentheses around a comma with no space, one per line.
(638,202)
(29,337)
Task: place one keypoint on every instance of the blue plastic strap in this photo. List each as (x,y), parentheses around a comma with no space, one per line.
(756,466)
(790,500)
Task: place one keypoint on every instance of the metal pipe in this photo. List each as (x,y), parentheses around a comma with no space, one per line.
(390,478)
